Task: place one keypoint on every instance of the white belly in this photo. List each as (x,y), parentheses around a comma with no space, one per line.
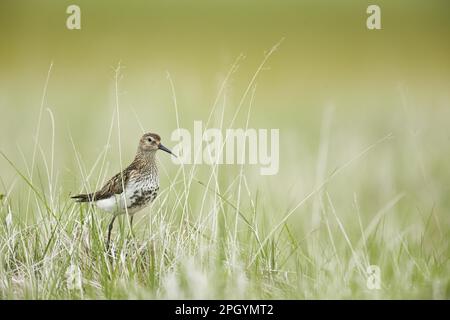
(109,204)
(126,202)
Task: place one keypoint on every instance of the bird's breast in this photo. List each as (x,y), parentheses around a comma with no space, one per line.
(141,192)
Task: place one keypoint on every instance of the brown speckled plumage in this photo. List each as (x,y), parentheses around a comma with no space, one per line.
(135,187)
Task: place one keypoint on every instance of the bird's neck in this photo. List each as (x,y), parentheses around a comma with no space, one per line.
(146,161)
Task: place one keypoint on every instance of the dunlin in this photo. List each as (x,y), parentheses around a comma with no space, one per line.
(132,189)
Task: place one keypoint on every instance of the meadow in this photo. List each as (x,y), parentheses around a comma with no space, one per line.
(364,158)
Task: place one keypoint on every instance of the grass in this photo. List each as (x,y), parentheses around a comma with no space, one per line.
(223,231)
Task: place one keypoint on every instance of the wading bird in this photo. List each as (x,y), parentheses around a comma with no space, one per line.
(134,188)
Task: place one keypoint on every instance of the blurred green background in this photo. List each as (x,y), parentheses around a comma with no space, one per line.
(327,57)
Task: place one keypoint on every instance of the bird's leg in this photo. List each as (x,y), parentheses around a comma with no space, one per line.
(109,232)
(131,225)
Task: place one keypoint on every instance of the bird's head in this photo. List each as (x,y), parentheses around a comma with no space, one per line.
(151,142)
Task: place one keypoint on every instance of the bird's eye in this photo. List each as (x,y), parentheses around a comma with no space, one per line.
(149,140)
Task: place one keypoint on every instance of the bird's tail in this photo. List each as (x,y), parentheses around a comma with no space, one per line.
(84,197)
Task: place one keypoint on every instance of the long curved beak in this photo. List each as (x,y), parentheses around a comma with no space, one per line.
(161,147)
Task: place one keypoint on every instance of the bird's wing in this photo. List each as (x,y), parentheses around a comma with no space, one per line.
(114,185)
